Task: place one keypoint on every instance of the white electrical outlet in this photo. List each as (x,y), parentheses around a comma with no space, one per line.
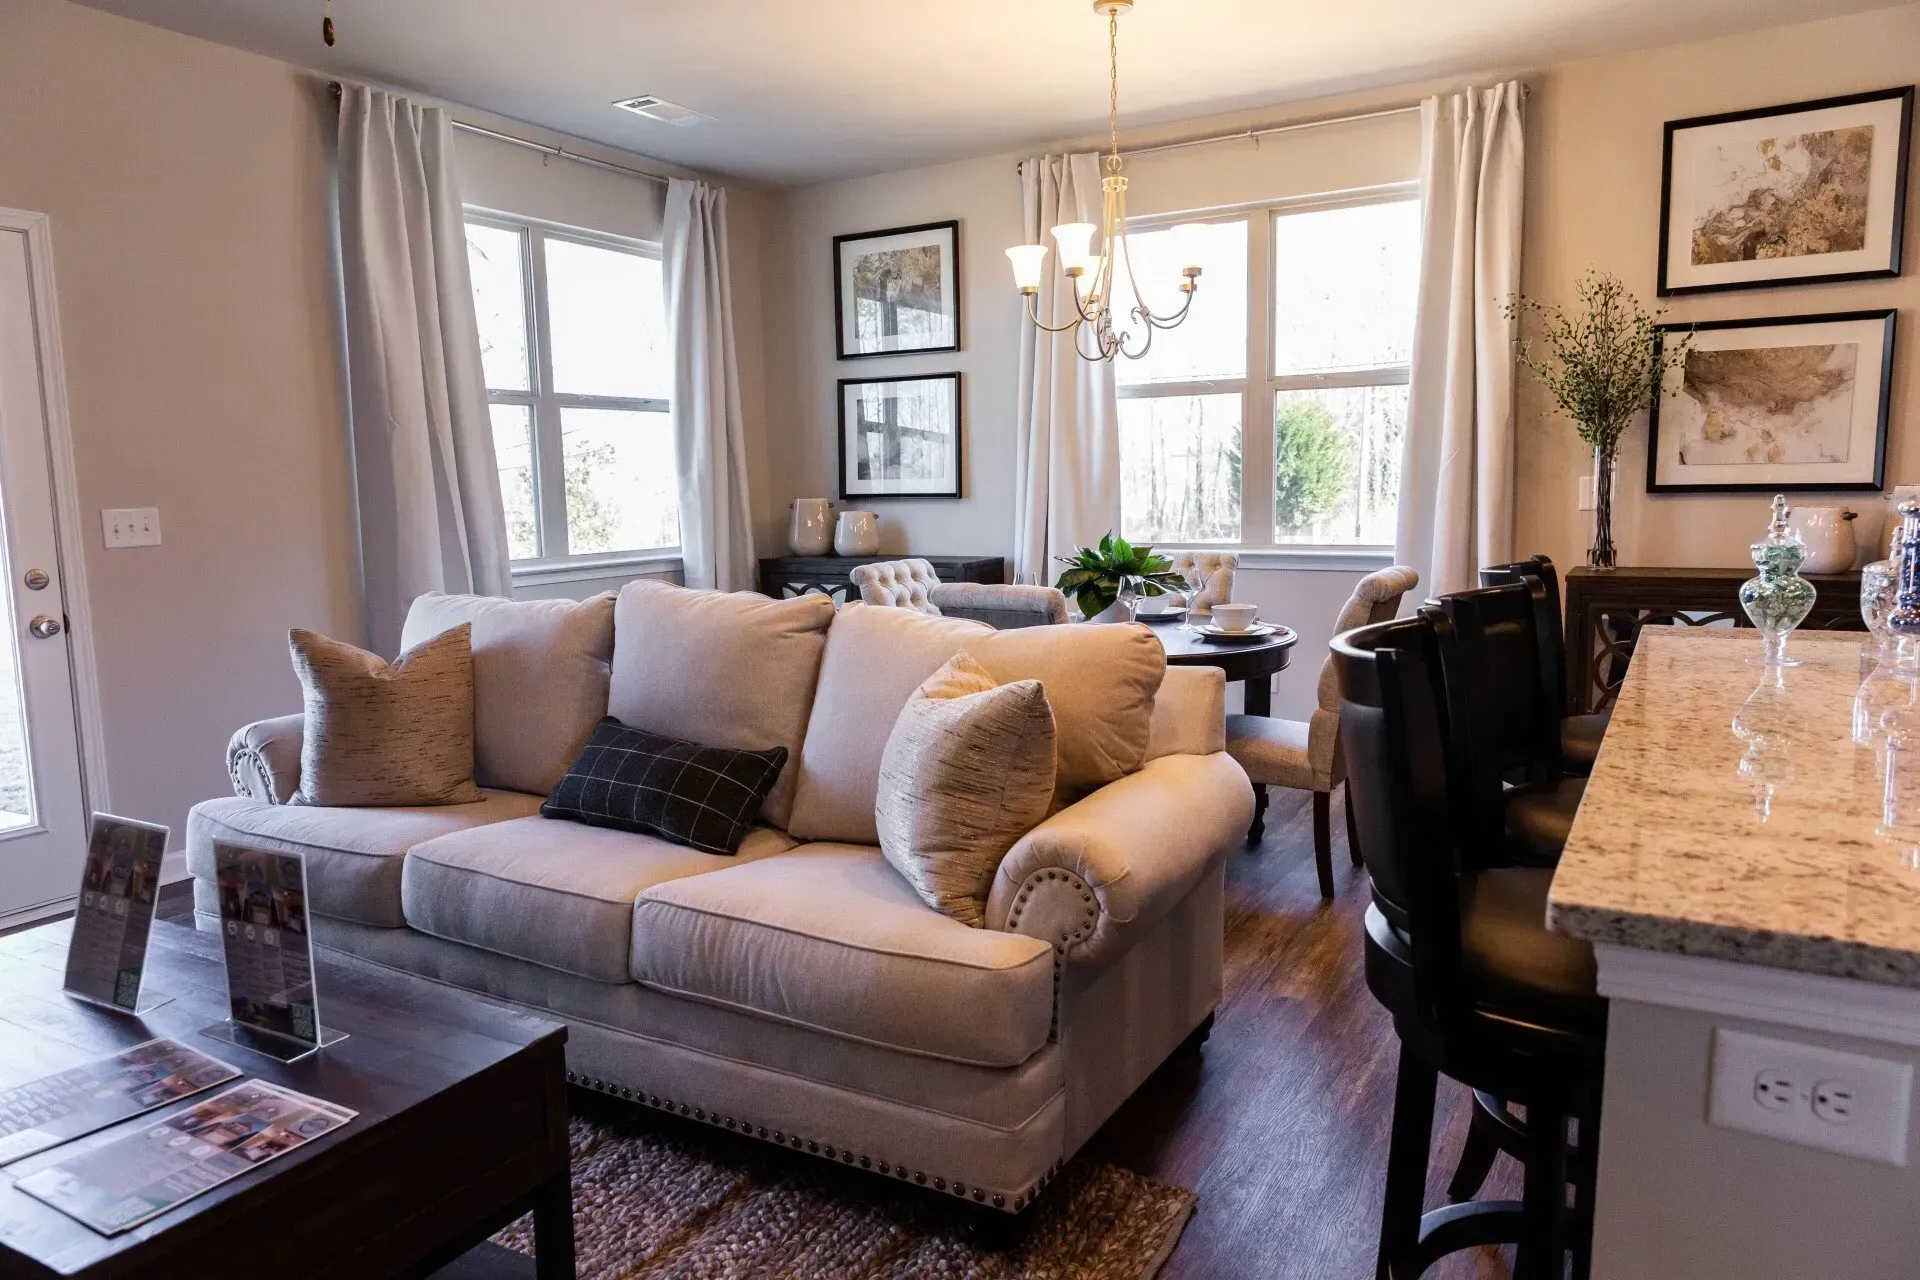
(131,526)
(1817,1097)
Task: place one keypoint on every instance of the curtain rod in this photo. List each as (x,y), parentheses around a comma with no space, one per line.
(1237,135)
(333,89)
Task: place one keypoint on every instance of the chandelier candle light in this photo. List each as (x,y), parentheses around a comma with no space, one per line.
(1095,275)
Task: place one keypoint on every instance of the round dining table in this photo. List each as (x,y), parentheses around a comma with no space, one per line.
(1251,661)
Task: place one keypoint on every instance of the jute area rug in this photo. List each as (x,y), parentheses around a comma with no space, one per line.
(654,1201)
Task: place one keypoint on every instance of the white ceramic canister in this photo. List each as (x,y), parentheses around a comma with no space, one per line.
(810,527)
(857,533)
(1827,533)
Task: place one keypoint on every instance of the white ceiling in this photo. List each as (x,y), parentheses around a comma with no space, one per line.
(832,88)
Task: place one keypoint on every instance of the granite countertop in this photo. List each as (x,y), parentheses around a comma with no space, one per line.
(1765,817)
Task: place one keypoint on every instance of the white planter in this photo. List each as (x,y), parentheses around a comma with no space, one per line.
(857,534)
(1827,533)
(810,528)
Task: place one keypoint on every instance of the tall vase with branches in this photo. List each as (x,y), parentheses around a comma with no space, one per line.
(1603,364)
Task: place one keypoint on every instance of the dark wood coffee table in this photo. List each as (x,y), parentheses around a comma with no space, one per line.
(462,1126)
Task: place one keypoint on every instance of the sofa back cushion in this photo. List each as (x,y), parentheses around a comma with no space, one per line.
(1099,680)
(722,669)
(540,670)
(875,658)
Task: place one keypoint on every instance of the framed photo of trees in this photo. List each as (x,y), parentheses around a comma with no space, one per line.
(897,291)
(900,437)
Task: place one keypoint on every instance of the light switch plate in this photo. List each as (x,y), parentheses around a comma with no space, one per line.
(1817,1097)
(131,526)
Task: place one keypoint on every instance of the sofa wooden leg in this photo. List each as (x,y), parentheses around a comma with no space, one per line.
(1259,827)
(1323,840)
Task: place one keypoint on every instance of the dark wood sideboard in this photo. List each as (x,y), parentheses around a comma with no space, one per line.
(783,576)
(1607,607)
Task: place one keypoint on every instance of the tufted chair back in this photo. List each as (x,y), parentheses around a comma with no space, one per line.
(904,584)
(1209,574)
(1375,598)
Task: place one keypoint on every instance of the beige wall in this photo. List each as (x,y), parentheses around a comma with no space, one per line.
(1593,198)
(187,188)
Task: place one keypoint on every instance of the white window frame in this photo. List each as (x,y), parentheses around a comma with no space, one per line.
(549,450)
(1257,548)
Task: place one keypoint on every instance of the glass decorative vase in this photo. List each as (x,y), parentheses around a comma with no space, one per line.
(1779,599)
(1879,590)
(1903,620)
(1601,554)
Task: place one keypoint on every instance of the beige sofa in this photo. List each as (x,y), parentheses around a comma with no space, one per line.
(799,991)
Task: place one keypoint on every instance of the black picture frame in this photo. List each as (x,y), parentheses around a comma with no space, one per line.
(1667,289)
(850,491)
(843,343)
(1888,316)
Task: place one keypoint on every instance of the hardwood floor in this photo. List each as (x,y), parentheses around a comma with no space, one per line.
(1280,1125)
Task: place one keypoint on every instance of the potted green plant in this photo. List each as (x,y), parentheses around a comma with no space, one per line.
(1103,579)
(1603,365)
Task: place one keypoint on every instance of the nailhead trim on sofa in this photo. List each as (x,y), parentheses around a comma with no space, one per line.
(1067,940)
(919,1177)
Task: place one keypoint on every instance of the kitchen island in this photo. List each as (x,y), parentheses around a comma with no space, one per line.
(1746,862)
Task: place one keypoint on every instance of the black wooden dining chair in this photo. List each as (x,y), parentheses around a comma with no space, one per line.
(1458,953)
(1580,735)
(1501,728)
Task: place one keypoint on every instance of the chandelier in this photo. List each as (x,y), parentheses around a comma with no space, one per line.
(1096,272)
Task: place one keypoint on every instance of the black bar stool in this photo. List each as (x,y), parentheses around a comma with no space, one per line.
(1458,952)
(1501,729)
(1580,735)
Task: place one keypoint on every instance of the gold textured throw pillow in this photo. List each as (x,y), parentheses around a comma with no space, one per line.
(379,733)
(967,771)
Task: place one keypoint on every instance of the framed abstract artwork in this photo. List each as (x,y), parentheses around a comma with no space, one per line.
(900,437)
(897,291)
(1793,404)
(1802,194)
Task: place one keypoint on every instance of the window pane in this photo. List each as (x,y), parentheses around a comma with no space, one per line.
(621,490)
(513,452)
(1336,464)
(1212,341)
(1180,469)
(608,320)
(495,259)
(1344,282)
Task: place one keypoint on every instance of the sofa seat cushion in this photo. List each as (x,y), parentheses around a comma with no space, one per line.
(828,936)
(353,855)
(554,893)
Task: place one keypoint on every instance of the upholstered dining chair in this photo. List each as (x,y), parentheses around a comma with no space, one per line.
(904,584)
(1001,605)
(912,584)
(1209,576)
(1305,755)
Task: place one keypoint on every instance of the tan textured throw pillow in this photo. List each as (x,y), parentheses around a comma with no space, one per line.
(967,771)
(381,733)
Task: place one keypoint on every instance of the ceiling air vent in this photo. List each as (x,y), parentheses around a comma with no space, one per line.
(655,107)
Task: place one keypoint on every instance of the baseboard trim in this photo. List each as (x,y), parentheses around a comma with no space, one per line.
(173,868)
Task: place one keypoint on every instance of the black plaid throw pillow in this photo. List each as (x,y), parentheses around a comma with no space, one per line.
(702,797)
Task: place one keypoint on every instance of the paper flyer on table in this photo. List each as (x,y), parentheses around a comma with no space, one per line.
(60,1107)
(107,954)
(119,1184)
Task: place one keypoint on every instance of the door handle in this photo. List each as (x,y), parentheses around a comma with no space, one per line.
(44,627)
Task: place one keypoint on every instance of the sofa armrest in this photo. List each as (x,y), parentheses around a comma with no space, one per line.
(263,759)
(1100,873)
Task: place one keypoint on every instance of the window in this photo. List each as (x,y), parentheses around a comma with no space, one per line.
(1318,298)
(573,339)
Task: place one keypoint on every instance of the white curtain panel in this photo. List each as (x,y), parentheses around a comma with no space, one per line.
(716,525)
(1456,485)
(428,488)
(1067,422)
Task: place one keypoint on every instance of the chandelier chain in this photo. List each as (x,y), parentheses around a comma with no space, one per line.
(1113,81)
